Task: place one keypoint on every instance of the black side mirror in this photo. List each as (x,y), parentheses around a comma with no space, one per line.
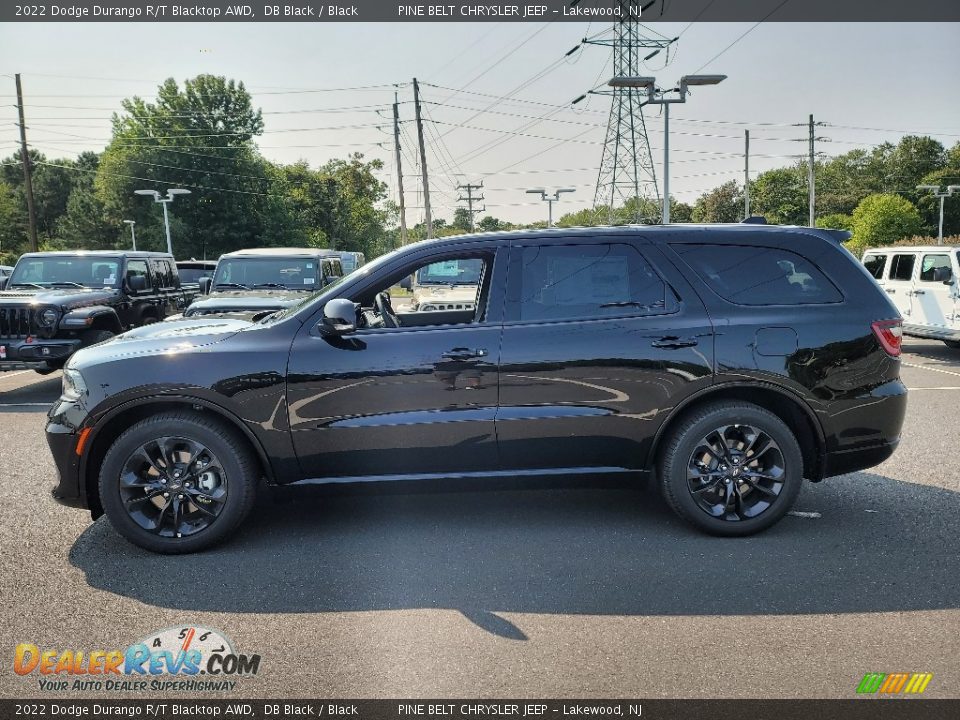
(339,317)
(137,283)
(406,283)
(944,275)
(205,284)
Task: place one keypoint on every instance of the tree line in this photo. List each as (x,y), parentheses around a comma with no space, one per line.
(201,136)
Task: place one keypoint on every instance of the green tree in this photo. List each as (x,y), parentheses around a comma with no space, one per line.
(883,219)
(721,205)
(780,196)
(835,221)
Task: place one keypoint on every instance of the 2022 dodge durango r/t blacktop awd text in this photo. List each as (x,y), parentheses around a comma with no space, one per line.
(731,362)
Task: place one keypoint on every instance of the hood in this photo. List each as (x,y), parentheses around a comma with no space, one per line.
(59,297)
(253,300)
(160,338)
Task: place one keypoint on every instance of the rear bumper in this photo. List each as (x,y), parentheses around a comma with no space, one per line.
(37,350)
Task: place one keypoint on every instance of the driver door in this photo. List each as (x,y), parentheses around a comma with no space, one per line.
(408,401)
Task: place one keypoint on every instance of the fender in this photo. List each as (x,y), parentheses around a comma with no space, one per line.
(84,317)
(705,394)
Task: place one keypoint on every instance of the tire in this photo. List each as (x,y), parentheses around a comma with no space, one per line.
(952,344)
(92,337)
(131,477)
(148,320)
(764,482)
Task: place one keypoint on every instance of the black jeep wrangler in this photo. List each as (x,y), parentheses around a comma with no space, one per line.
(57,302)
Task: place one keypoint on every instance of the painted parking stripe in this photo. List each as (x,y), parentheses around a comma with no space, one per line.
(931,369)
(949,387)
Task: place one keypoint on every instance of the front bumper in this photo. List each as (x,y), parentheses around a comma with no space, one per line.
(37,350)
(62,441)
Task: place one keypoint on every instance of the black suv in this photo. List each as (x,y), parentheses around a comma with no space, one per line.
(265,279)
(56,302)
(728,362)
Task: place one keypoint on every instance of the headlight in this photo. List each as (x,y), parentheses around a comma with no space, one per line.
(73,385)
(48,318)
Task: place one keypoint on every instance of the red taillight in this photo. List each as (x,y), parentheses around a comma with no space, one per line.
(890,335)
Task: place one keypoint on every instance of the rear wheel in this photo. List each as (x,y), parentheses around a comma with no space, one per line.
(731,468)
(178,482)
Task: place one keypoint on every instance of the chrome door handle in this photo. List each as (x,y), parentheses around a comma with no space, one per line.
(464,354)
(672,342)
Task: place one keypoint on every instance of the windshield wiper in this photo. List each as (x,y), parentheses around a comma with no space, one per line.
(231,284)
(27,284)
(68,283)
(271,285)
(632,303)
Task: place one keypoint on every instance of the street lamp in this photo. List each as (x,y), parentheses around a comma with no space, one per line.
(657,96)
(164,201)
(133,234)
(935,190)
(550,200)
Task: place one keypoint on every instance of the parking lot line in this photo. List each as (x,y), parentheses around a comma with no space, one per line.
(948,387)
(931,369)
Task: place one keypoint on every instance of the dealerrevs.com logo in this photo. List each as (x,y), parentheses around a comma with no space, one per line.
(188,658)
(886,684)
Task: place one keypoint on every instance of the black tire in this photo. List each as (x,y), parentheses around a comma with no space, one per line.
(952,344)
(92,337)
(148,320)
(686,460)
(228,450)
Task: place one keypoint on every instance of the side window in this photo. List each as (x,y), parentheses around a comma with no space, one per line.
(875,265)
(163,276)
(901,267)
(571,282)
(935,268)
(136,268)
(336,269)
(752,275)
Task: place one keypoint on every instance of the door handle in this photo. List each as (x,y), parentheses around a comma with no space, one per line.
(891,291)
(672,342)
(919,292)
(464,354)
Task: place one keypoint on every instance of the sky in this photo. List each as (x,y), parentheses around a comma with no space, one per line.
(327,90)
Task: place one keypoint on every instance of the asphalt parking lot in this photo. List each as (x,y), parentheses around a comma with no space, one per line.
(546,592)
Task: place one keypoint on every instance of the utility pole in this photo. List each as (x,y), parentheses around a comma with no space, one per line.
(811,179)
(943,195)
(133,233)
(470,200)
(423,160)
(396,149)
(27,176)
(746,174)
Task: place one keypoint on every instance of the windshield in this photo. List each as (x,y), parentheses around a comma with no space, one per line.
(66,271)
(250,273)
(451,272)
(193,275)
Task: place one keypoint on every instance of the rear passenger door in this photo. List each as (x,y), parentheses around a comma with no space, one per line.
(601,338)
(899,282)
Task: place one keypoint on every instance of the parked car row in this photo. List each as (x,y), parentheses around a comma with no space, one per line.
(727,363)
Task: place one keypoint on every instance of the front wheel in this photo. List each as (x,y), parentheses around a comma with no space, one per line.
(731,469)
(178,482)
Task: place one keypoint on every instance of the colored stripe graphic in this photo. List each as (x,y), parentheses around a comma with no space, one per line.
(894,683)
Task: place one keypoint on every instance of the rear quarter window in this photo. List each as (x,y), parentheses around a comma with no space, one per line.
(875,265)
(754,275)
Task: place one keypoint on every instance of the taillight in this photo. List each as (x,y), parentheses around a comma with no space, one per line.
(890,335)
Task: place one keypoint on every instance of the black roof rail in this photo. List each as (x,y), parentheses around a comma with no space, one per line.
(755,220)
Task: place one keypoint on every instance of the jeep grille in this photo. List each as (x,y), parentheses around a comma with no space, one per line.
(432,306)
(15,322)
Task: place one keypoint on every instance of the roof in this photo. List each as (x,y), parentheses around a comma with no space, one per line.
(920,248)
(98,253)
(282,252)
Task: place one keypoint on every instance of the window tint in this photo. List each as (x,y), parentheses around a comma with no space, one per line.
(137,267)
(901,267)
(163,274)
(930,265)
(566,282)
(750,275)
(875,264)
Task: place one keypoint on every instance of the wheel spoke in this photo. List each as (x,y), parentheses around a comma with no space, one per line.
(760,488)
(143,498)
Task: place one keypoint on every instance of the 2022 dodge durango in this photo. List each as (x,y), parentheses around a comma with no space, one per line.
(729,362)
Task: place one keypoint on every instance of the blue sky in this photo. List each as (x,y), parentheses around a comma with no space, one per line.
(871,82)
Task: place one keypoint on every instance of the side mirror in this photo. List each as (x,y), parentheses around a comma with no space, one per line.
(944,275)
(205,284)
(339,317)
(406,284)
(137,283)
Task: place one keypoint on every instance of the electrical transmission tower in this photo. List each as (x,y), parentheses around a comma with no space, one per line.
(470,199)
(626,170)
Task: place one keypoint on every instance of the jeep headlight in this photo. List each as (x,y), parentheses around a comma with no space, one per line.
(48,318)
(73,385)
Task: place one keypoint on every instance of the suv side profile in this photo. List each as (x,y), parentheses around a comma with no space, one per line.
(924,284)
(727,362)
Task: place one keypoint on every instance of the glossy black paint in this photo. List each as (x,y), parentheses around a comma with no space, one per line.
(502,396)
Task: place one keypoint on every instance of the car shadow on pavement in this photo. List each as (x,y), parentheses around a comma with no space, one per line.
(879,545)
(36,397)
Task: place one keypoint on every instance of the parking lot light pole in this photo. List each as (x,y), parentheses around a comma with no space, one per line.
(550,200)
(164,201)
(935,189)
(657,96)
(133,234)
